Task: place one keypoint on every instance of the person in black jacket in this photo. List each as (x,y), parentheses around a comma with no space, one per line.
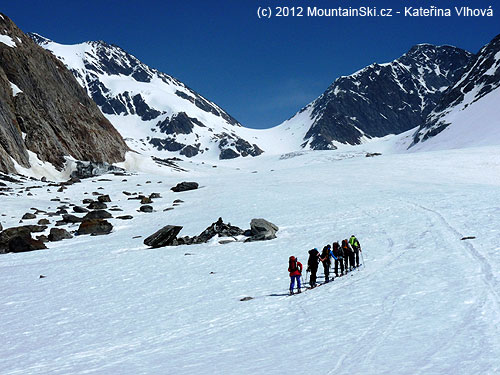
(348,255)
(339,258)
(325,259)
(312,265)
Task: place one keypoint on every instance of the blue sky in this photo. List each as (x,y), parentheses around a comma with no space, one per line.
(259,70)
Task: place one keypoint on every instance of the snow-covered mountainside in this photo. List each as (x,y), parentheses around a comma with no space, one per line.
(380,99)
(425,301)
(152,110)
(468,113)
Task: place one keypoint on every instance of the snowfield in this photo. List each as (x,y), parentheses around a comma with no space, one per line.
(425,301)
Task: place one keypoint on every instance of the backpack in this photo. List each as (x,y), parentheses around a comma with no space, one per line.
(346,247)
(326,254)
(337,250)
(292,264)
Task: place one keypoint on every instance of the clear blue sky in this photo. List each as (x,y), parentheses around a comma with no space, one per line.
(259,70)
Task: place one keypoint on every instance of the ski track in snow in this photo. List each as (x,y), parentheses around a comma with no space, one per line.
(423,302)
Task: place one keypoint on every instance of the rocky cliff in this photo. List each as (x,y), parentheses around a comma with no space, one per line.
(44,110)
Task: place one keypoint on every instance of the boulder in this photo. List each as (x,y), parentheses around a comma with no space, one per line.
(43,222)
(80,210)
(146,200)
(98,214)
(97,206)
(35,228)
(154,196)
(28,216)
(18,239)
(262,230)
(104,199)
(146,208)
(125,217)
(166,236)
(95,227)
(58,234)
(184,186)
(68,218)
(1,228)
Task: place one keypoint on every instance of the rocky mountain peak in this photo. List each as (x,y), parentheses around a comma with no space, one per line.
(480,78)
(154,111)
(382,99)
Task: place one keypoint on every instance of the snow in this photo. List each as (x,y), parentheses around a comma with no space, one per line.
(472,124)
(41,168)
(425,302)
(7,40)
(15,90)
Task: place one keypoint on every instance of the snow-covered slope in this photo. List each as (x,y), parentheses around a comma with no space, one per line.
(380,99)
(424,303)
(468,113)
(151,109)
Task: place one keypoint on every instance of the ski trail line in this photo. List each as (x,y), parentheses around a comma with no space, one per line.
(487,273)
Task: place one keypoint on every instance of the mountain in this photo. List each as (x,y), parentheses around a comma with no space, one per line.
(152,110)
(468,113)
(380,99)
(45,111)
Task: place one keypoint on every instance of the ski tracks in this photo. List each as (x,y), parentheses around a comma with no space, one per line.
(486,269)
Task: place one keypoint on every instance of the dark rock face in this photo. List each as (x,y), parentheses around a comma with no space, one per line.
(28,216)
(51,109)
(482,74)
(95,227)
(232,147)
(17,240)
(58,234)
(146,208)
(164,237)
(180,123)
(184,186)
(384,99)
(262,230)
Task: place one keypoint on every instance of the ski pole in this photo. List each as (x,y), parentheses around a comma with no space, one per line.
(362,258)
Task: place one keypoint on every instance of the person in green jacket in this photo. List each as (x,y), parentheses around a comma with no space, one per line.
(353,241)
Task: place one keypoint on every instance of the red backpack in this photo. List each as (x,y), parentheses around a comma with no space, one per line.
(292,264)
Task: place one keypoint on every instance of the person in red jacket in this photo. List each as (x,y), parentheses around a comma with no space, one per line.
(295,269)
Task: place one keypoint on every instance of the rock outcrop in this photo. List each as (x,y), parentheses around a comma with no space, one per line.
(164,237)
(262,230)
(17,240)
(184,186)
(43,109)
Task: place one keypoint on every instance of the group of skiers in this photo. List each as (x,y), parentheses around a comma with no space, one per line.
(346,256)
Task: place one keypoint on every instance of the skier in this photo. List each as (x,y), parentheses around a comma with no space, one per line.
(353,241)
(295,269)
(338,254)
(325,259)
(312,265)
(348,255)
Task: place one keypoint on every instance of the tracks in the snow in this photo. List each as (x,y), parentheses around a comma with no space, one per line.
(486,269)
